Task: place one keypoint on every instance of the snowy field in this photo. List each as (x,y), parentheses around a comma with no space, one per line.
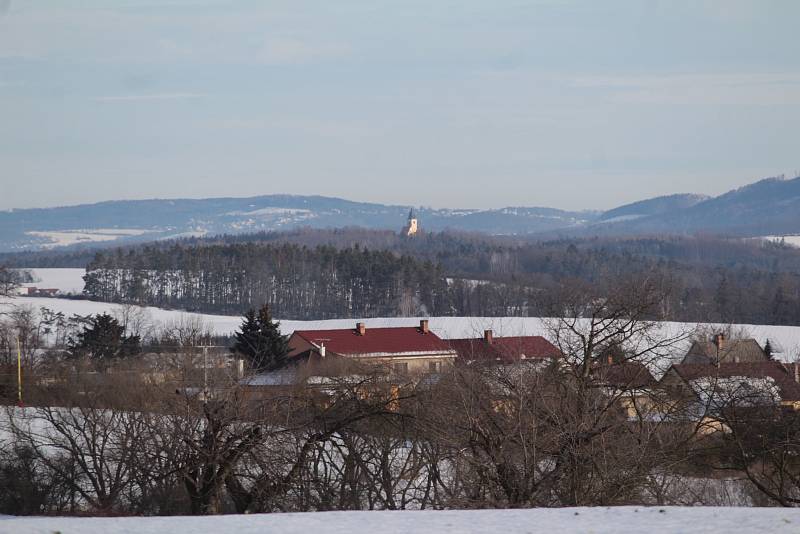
(785,340)
(595,520)
(791,240)
(65,238)
(67,281)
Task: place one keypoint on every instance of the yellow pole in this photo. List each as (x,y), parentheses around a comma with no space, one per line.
(19,373)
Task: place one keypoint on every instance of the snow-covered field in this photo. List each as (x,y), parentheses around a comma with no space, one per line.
(791,240)
(785,340)
(65,238)
(596,520)
(67,281)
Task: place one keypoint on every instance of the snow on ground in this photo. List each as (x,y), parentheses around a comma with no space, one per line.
(785,340)
(67,281)
(791,240)
(65,238)
(652,520)
(221,324)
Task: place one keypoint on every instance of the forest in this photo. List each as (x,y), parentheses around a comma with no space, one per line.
(320,274)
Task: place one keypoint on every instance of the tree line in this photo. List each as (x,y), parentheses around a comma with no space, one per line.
(359,273)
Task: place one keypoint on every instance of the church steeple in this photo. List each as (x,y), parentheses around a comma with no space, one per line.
(412,225)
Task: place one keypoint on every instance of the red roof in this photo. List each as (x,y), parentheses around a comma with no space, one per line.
(504,349)
(377,341)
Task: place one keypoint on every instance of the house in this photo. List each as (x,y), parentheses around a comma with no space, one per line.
(630,382)
(402,350)
(503,350)
(41,292)
(709,388)
(721,350)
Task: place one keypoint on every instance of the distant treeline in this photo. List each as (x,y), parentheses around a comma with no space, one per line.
(315,274)
(297,282)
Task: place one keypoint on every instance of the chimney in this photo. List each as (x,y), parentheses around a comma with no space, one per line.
(361,328)
(488,336)
(423,325)
(322,349)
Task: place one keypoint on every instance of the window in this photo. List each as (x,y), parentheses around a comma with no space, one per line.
(434,367)
(400,368)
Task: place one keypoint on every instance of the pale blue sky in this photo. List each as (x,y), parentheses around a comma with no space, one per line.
(440,103)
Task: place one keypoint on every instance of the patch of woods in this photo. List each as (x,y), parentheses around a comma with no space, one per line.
(316,274)
(139,437)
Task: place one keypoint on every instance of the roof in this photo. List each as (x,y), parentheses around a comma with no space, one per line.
(629,375)
(504,349)
(789,389)
(395,341)
(741,350)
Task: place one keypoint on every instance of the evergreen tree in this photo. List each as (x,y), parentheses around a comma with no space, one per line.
(260,341)
(768,349)
(103,338)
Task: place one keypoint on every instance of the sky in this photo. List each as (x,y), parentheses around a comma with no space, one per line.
(442,103)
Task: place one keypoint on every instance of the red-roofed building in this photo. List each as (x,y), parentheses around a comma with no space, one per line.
(491,349)
(405,349)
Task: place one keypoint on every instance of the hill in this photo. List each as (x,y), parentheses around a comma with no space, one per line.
(148,220)
(767,207)
(770,207)
(653,206)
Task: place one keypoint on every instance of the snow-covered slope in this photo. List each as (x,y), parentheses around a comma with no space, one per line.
(67,281)
(597,520)
(785,340)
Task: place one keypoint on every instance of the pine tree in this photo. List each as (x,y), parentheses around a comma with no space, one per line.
(103,338)
(768,349)
(260,341)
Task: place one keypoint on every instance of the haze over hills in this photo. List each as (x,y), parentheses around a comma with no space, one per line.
(652,206)
(768,207)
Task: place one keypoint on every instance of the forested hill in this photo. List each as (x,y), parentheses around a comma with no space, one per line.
(320,275)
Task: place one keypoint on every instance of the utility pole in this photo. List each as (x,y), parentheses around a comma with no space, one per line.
(19,375)
(205,368)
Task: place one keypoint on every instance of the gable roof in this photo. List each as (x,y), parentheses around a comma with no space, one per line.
(504,349)
(626,375)
(393,341)
(789,389)
(735,350)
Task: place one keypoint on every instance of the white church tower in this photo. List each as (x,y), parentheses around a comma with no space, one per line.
(411,227)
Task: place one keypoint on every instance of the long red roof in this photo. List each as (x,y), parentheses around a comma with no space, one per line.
(377,341)
(504,349)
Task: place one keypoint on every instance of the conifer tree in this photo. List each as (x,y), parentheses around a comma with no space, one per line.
(104,338)
(260,341)
(768,349)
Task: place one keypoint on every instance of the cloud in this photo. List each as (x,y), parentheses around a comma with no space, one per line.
(282,50)
(155,96)
(711,88)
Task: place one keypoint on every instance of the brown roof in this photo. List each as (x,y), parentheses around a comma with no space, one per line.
(377,341)
(504,349)
(630,375)
(735,350)
(789,389)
